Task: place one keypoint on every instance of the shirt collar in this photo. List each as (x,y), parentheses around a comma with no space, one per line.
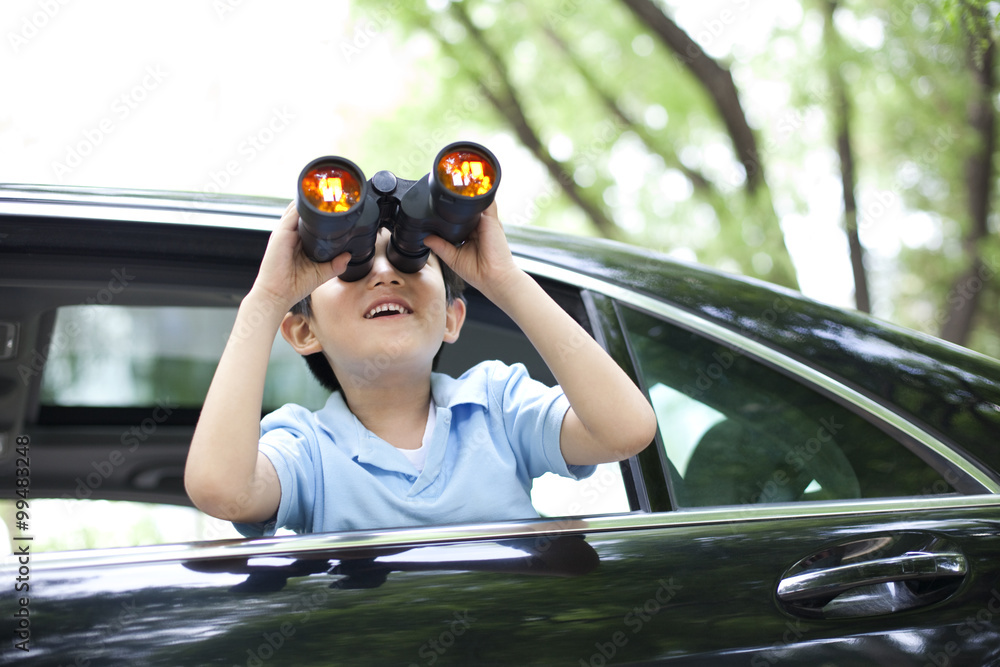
(351,437)
(449,392)
(359,443)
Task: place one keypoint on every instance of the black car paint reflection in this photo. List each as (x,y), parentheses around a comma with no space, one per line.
(659,593)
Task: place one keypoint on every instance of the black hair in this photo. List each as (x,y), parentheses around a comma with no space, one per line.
(318,364)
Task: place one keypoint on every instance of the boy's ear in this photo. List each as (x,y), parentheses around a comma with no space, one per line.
(454,319)
(296,330)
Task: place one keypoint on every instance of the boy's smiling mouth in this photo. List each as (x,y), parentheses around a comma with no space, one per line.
(387,309)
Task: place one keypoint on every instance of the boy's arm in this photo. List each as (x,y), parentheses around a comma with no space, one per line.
(609,417)
(225,474)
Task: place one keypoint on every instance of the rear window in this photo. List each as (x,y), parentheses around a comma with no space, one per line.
(128,357)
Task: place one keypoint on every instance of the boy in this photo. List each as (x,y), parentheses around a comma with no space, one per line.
(357,463)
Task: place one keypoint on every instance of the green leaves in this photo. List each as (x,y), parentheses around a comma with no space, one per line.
(604,128)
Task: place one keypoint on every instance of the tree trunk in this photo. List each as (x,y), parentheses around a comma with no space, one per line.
(841,114)
(700,182)
(717,80)
(506,101)
(965,294)
(758,217)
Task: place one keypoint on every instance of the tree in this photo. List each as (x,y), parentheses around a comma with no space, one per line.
(840,116)
(966,292)
(638,133)
(732,220)
(930,135)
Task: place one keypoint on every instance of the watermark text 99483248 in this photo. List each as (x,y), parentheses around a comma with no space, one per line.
(22,544)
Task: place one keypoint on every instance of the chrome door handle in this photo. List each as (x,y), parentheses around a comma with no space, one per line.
(835,580)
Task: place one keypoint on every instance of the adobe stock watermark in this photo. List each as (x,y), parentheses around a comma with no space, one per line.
(963,292)
(722,360)
(557,14)
(712,29)
(793,633)
(273,641)
(984,621)
(877,206)
(418,161)
(602,137)
(120,279)
(431,650)
(635,620)
(121,108)
(223,8)
(569,347)
(798,457)
(788,125)
(368,29)
(947,484)
(32,25)
(375,366)
(97,642)
(378,364)
(248,150)
(594,487)
(130,441)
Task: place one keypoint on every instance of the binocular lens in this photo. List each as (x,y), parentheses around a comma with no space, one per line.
(333,217)
(467,173)
(331,188)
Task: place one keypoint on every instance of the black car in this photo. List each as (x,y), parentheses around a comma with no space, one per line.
(823,489)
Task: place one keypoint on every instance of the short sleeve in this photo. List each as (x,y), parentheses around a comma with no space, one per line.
(532,419)
(290,448)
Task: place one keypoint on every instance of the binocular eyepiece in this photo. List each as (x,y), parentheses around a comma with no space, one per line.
(340,211)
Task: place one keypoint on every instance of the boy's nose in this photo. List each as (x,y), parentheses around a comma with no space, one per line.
(383,272)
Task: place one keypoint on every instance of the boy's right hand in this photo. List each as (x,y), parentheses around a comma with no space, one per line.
(286,274)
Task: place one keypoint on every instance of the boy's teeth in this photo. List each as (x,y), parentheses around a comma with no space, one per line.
(396,308)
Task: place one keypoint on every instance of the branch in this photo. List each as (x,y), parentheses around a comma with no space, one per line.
(699,180)
(717,80)
(842,121)
(506,101)
(964,296)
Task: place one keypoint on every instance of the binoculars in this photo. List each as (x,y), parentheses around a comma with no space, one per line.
(339,211)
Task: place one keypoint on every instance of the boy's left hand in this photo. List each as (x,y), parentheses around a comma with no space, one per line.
(484,260)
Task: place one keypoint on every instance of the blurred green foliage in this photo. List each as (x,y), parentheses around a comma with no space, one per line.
(641,141)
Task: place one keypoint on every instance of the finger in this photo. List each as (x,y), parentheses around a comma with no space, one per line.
(445,251)
(324,272)
(290,218)
(493,213)
(336,266)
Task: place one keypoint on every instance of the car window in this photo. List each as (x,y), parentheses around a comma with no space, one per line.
(737,432)
(62,524)
(124,359)
(131,356)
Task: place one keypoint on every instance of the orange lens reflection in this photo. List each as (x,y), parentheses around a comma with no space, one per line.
(331,189)
(466,173)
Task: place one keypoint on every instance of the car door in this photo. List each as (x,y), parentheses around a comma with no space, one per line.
(801,523)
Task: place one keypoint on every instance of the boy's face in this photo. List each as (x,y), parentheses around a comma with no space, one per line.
(389,320)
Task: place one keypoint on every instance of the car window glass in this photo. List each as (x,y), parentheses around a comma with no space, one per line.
(601,493)
(736,432)
(60,524)
(124,356)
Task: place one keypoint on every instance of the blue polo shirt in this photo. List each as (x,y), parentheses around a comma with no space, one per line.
(496,430)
